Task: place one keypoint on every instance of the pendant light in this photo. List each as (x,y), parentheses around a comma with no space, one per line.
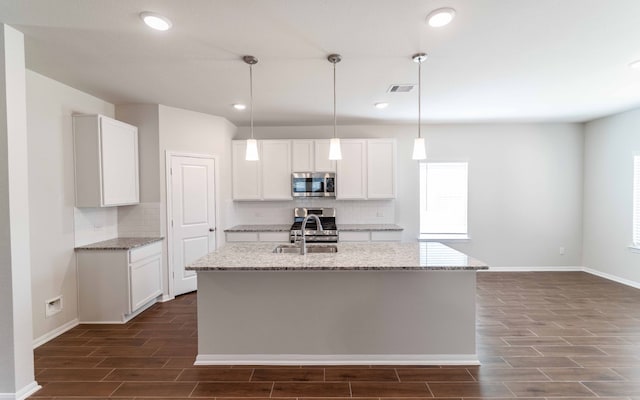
(419,149)
(335,152)
(252,144)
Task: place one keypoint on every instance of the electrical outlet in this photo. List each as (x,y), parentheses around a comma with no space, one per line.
(561,251)
(53,306)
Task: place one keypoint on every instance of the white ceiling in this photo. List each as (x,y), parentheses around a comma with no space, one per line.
(499,60)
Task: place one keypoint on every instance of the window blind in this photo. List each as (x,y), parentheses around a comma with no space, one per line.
(443,197)
(636,200)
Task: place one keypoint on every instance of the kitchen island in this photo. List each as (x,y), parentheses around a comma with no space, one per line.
(368,303)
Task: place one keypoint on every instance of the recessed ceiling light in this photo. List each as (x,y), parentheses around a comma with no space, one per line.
(381,105)
(156,21)
(440,17)
(635,64)
(240,107)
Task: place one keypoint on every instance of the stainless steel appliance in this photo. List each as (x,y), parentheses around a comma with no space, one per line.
(329,232)
(313,184)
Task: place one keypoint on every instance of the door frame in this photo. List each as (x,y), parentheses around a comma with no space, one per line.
(169,210)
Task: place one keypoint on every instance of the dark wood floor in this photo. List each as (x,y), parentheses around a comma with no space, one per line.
(566,335)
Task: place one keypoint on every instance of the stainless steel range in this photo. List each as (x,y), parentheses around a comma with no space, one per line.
(329,232)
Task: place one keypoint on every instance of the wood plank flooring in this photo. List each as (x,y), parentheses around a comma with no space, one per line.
(542,335)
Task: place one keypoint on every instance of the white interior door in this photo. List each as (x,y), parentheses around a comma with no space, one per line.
(193,216)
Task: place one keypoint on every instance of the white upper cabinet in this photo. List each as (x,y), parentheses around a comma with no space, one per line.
(106,161)
(311,156)
(276,169)
(321,159)
(381,168)
(367,169)
(246,174)
(351,173)
(266,179)
(302,155)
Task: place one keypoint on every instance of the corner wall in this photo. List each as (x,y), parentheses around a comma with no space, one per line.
(197,133)
(50,105)
(525,185)
(608,196)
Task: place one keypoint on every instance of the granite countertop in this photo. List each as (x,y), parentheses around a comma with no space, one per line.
(369,227)
(416,256)
(341,227)
(260,228)
(123,243)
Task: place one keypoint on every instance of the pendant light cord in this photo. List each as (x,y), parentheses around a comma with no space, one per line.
(419,96)
(335,120)
(251,96)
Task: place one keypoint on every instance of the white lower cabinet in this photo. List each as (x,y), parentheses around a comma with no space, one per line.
(370,236)
(116,285)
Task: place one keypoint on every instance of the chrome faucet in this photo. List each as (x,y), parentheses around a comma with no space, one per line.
(303,242)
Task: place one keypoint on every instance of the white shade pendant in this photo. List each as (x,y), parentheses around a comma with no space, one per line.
(252,145)
(252,150)
(335,153)
(419,147)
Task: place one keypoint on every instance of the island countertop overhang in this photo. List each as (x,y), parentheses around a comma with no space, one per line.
(416,256)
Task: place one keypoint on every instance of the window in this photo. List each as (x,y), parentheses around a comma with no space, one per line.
(443,200)
(636,201)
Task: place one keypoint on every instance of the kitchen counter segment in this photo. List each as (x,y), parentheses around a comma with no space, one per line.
(420,256)
(123,243)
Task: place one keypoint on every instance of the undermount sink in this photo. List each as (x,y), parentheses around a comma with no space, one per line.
(295,249)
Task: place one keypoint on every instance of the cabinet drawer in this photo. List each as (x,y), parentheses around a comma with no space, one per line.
(143,252)
(274,236)
(354,237)
(386,236)
(242,236)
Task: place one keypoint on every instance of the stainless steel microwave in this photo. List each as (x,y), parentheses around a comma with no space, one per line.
(313,184)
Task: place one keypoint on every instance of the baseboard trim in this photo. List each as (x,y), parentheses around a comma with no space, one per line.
(337,359)
(534,269)
(614,278)
(591,271)
(166,297)
(22,393)
(55,333)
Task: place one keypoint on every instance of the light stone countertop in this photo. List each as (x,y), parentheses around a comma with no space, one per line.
(260,228)
(416,256)
(123,243)
(341,227)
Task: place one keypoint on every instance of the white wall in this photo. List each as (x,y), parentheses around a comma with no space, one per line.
(192,132)
(16,353)
(608,195)
(525,185)
(50,105)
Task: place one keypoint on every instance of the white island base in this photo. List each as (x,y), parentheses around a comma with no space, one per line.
(338,317)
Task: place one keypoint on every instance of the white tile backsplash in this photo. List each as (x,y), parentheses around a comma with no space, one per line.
(347,212)
(95,224)
(140,220)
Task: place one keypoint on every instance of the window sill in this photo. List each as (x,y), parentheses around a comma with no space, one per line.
(443,237)
(634,248)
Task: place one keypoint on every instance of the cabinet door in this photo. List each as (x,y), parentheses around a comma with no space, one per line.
(381,168)
(246,174)
(276,169)
(119,147)
(302,156)
(145,281)
(321,157)
(351,174)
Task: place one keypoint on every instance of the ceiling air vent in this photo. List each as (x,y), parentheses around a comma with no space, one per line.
(401,88)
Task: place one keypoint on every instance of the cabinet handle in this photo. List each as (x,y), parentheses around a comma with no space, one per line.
(212,229)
